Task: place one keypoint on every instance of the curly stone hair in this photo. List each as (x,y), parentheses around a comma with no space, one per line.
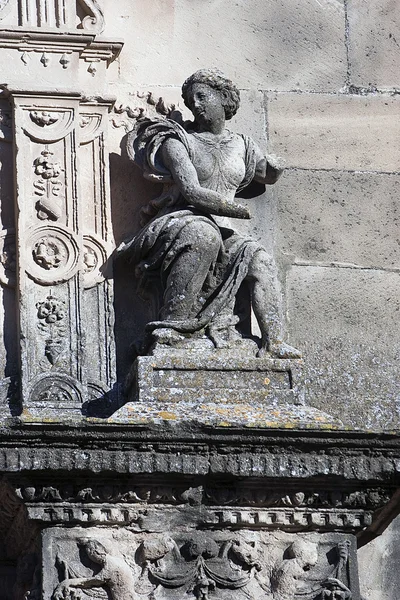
(217,80)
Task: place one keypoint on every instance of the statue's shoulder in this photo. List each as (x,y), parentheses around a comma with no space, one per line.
(149,134)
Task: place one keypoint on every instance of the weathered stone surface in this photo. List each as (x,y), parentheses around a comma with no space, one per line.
(222,376)
(267,46)
(378,565)
(193,563)
(351,351)
(339,217)
(317,131)
(374,52)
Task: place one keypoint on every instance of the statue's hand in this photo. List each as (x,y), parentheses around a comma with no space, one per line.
(235,210)
(64,592)
(276,162)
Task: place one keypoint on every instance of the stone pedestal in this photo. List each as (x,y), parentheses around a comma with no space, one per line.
(220,387)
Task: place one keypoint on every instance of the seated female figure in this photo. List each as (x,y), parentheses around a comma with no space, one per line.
(200,261)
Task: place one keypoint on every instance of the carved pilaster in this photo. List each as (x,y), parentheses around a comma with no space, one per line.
(62,251)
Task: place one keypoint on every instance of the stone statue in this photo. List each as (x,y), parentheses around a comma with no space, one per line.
(114,575)
(186,243)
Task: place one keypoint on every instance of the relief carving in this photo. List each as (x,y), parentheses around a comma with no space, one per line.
(48,123)
(48,187)
(200,567)
(143,104)
(58,391)
(114,576)
(55,254)
(94,21)
(51,315)
(43,118)
(49,253)
(288,578)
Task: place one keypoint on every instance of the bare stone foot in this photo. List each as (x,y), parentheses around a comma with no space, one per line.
(279,350)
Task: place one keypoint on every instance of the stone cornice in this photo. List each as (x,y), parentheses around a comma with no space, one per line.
(93,47)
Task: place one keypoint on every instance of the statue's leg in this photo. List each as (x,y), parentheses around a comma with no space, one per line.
(189,269)
(267,306)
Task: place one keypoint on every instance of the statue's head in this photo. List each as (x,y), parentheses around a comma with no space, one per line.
(218,83)
(305,552)
(95,551)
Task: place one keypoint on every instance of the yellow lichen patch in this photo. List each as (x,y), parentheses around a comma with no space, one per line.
(267,381)
(164,414)
(223,424)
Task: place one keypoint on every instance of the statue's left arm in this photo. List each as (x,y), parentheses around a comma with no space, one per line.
(268,168)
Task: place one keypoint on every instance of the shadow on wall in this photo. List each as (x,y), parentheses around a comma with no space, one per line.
(129,192)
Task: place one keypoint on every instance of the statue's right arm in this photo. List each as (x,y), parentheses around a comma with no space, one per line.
(177,160)
(80,582)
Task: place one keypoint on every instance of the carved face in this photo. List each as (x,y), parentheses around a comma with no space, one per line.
(206,104)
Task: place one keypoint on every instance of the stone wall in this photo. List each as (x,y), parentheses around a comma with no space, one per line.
(318,82)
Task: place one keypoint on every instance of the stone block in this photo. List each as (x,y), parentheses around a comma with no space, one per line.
(318,131)
(338,217)
(273,45)
(379,579)
(374,50)
(221,376)
(345,321)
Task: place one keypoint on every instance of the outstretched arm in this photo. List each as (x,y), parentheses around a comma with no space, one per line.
(177,160)
(61,591)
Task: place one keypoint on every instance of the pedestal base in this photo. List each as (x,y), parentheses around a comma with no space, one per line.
(220,388)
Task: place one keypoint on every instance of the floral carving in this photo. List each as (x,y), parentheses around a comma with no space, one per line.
(51,315)
(48,187)
(43,118)
(49,253)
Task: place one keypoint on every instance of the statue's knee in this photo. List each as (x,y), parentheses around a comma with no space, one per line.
(204,236)
(261,263)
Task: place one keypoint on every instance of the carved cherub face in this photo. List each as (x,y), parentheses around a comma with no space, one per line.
(206,104)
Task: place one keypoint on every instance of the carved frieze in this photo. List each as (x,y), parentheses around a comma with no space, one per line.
(198,565)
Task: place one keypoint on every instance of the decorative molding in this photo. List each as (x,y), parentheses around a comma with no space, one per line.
(48,124)
(52,254)
(95,256)
(94,21)
(143,104)
(57,392)
(48,187)
(51,316)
